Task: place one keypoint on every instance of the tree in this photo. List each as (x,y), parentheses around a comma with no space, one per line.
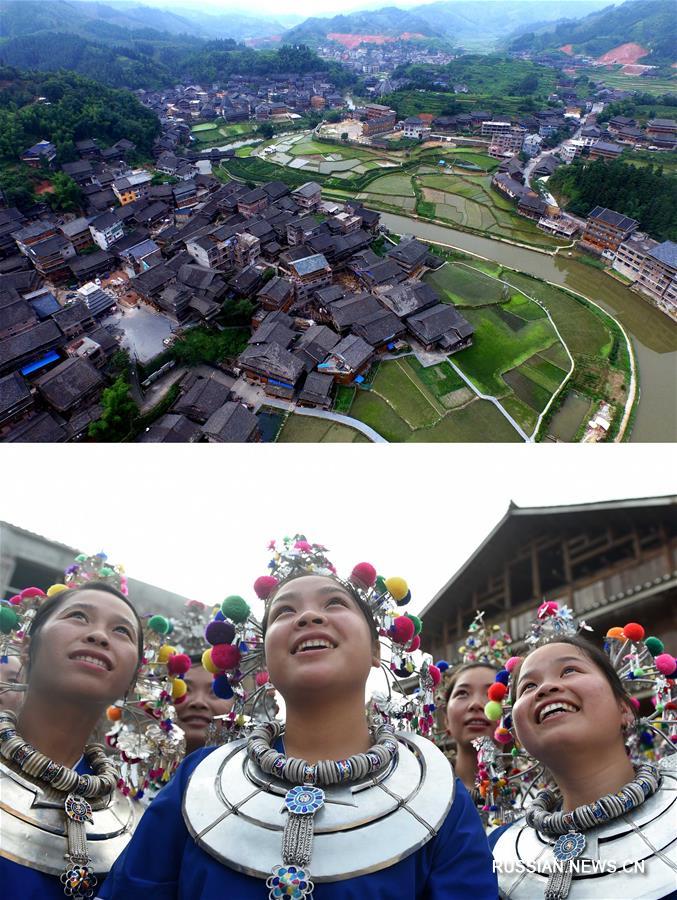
(119,416)
(65,196)
(345,136)
(17,189)
(266,130)
(237,312)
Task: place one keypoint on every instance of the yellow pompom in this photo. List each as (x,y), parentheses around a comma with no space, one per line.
(207,662)
(397,587)
(179,688)
(120,570)
(56,589)
(165,651)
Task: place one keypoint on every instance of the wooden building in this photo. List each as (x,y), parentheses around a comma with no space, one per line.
(611,562)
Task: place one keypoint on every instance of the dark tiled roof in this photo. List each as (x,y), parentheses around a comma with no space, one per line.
(41,429)
(68,383)
(172,429)
(233,423)
(610,217)
(13,390)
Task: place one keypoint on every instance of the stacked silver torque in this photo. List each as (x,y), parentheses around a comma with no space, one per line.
(570,827)
(303,801)
(78,879)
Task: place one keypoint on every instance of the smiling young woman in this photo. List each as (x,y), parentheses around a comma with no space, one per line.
(571,713)
(369,815)
(466,697)
(84,648)
(196,711)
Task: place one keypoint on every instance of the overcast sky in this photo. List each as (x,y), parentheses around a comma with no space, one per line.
(197,519)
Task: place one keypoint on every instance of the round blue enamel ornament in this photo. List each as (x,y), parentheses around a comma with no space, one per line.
(304,800)
(568,846)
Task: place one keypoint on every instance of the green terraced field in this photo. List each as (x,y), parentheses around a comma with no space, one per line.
(395,185)
(464,286)
(497,349)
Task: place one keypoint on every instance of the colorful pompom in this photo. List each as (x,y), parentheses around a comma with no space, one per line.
(615,633)
(665,664)
(413,644)
(158,624)
(207,662)
(418,625)
(493,710)
(512,662)
(178,664)
(56,589)
(497,691)
(235,608)
(503,676)
(435,674)
(30,592)
(442,665)
(113,713)
(364,573)
(221,687)
(402,630)
(406,599)
(165,651)
(8,619)
(225,656)
(633,631)
(654,645)
(502,735)
(397,587)
(262,678)
(179,688)
(264,586)
(220,632)
(635,702)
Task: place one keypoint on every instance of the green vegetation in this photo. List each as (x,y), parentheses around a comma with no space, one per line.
(644,194)
(344,399)
(650,23)
(200,345)
(119,416)
(492,75)
(641,107)
(75,108)
(614,77)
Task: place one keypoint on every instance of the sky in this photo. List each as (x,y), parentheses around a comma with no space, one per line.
(197,519)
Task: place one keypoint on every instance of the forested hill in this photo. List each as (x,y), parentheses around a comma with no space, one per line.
(160,64)
(73,108)
(650,23)
(644,194)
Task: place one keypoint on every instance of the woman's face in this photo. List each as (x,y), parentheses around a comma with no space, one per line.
(87,649)
(199,707)
(465,708)
(317,638)
(564,704)
(10,674)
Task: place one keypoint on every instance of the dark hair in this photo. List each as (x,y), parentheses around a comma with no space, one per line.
(348,588)
(596,656)
(465,667)
(50,606)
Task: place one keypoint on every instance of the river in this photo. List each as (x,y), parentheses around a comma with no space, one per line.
(654,336)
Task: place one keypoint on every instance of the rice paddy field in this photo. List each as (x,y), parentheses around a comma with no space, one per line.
(614,78)
(310,430)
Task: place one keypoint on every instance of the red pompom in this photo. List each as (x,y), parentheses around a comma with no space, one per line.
(29,592)
(15,600)
(414,644)
(633,632)
(262,678)
(178,664)
(665,664)
(402,630)
(497,691)
(225,656)
(181,699)
(365,573)
(303,545)
(264,586)
(512,662)
(435,674)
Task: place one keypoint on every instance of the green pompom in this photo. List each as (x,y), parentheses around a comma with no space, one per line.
(638,673)
(654,645)
(106,572)
(235,608)
(82,557)
(8,619)
(418,625)
(493,710)
(158,624)
(514,751)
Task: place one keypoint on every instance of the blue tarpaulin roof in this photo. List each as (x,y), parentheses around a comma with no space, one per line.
(38,364)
